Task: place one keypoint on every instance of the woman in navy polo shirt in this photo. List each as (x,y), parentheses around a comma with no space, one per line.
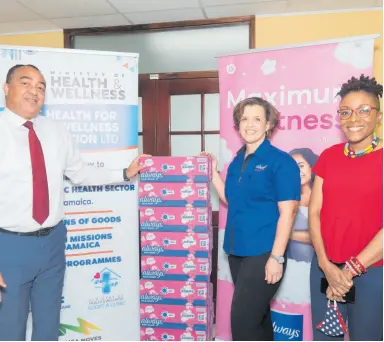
(262,190)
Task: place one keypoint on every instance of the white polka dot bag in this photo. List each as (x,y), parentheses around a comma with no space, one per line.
(333,323)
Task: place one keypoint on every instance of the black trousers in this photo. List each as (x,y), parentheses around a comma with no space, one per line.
(251,312)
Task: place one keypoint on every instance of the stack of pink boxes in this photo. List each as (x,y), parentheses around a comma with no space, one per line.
(176,246)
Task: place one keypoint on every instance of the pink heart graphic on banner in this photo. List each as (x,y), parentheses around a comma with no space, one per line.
(97,275)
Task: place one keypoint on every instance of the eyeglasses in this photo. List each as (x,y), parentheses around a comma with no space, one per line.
(362,111)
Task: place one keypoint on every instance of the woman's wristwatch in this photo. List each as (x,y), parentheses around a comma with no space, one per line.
(279,259)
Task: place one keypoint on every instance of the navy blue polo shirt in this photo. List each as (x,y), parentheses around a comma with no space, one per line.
(253,188)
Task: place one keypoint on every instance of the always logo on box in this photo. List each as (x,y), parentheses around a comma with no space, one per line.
(287,327)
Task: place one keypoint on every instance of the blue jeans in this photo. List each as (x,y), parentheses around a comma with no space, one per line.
(364,318)
(33,269)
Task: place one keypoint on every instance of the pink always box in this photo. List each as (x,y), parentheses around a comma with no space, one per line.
(176,244)
(173,292)
(173,316)
(174,195)
(161,334)
(179,269)
(176,169)
(165,219)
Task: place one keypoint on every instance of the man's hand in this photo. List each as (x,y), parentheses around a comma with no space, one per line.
(136,166)
(2,284)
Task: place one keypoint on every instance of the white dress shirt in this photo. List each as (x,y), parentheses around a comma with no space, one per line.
(62,157)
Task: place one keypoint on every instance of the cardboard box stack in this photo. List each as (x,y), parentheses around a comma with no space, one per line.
(176,246)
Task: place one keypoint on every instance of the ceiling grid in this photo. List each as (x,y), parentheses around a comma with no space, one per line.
(48,15)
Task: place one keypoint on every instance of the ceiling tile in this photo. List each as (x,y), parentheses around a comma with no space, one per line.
(69,8)
(132,6)
(228,2)
(268,7)
(94,21)
(12,11)
(31,15)
(36,25)
(165,16)
(327,5)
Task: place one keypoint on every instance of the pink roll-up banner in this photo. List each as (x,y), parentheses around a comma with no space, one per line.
(302,82)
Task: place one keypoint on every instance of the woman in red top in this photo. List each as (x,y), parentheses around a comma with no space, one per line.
(346,217)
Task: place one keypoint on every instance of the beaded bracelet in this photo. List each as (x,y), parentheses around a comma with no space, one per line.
(354,267)
(352,263)
(352,270)
(359,264)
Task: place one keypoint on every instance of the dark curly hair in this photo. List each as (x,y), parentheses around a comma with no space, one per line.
(363,83)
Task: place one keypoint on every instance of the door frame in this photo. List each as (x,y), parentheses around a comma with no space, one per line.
(69,34)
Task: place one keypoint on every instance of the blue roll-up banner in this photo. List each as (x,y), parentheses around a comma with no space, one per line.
(95,95)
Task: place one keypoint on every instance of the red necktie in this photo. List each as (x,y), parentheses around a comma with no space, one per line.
(40,211)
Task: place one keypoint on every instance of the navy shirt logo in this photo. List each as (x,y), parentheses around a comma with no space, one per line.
(260,167)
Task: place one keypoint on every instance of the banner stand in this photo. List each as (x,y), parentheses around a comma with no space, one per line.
(302,82)
(95,95)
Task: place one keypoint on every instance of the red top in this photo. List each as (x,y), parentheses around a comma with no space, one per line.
(352,210)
